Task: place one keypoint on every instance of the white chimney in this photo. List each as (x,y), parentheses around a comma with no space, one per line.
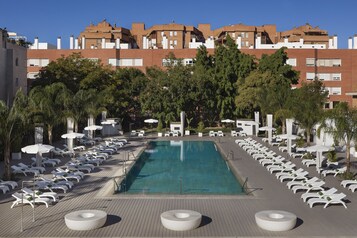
(350,43)
(59,43)
(117,43)
(103,43)
(335,43)
(355,42)
(71,41)
(302,41)
(83,42)
(35,43)
(76,44)
(330,43)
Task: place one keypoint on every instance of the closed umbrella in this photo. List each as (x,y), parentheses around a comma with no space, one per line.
(37,149)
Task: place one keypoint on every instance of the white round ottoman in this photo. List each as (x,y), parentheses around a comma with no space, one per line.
(275,220)
(181,220)
(84,220)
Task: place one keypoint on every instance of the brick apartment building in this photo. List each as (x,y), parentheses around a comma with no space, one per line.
(310,50)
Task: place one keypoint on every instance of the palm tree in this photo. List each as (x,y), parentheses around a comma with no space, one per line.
(48,102)
(341,123)
(13,124)
(83,104)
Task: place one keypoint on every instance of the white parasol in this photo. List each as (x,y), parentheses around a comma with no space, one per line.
(151,121)
(93,128)
(70,136)
(37,149)
(227,121)
(319,149)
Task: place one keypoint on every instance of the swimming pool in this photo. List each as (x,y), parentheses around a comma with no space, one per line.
(181,167)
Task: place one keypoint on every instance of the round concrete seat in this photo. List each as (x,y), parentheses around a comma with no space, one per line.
(181,220)
(84,220)
(274,220)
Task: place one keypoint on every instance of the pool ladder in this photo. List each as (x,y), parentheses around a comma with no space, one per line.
(230,155)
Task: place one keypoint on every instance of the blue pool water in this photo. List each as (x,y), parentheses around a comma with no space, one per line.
(181,167)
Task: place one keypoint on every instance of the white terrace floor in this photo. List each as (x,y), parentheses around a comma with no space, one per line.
(223,216)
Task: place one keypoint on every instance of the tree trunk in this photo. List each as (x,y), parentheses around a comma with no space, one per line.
(7,160)
(283,130)
(348,157)
(50,128)
(308,137)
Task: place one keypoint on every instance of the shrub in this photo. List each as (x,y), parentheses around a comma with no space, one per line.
(201,126)
(332,156)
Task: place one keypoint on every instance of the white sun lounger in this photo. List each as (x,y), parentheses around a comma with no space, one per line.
(332,199)
(25,166)
(348,182)
(4,188)
(316,186)
(52,195)
(306,196)
(291,184)
(11,184)
(23,199)
(335,172)
(43,185)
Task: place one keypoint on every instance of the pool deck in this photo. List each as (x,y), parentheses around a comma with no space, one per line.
(223,216)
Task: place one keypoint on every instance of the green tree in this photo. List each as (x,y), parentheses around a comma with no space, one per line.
(71,71)
(268,87)
(341,123)
(204,91)
(48,104)
(226,71)
(307,105)
(13,122)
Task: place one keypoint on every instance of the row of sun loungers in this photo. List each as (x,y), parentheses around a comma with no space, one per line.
(297,179)
(63,178)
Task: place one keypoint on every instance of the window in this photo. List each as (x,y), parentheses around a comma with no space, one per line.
(310,76)
(336,77)
(310,61)
(171,33)
(32,75)
(336,62)
(17,62)
(38,62)
(126,62)
(291,61)
(329,62)
(175,42)
(17,82)
(242,34)
(138,62)
(335,91)
(246,35)
(175,33)
(113,62)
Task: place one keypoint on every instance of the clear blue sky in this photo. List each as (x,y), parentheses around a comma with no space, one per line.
(49,19)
